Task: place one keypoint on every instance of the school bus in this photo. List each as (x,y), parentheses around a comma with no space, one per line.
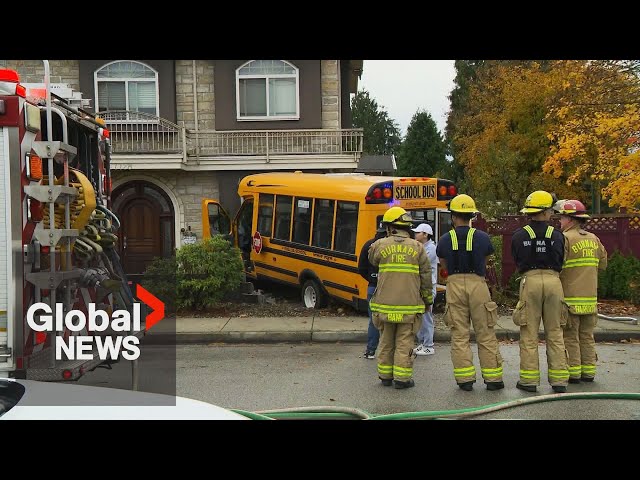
(308,229)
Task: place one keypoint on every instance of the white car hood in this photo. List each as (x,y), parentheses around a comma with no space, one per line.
(64,401)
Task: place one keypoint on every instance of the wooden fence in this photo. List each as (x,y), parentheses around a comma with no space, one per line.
(617,232)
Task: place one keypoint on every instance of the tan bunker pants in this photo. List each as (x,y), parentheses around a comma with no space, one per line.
(469,301)
(395,350)
(579,342)
(541,298)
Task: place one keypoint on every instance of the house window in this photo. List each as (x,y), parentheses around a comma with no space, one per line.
(127,85)
(267,90)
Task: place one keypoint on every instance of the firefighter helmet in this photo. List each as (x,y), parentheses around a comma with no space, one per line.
(538,201)
(572,208)
(463,204)
(397,216)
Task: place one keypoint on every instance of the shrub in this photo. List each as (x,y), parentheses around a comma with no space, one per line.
(513,286)
(496,241)
(207,271)
(621,278)
(160,279)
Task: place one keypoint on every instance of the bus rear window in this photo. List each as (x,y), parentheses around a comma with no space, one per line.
(346,227)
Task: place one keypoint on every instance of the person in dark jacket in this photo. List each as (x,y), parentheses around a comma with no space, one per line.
(538,251)
(370,274)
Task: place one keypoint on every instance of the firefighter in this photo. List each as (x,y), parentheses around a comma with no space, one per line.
(584,255)
(404,287)
(538,251)
(463,252)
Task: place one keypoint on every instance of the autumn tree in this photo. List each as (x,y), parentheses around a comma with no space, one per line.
(595,139)
(423,152)
(466,75)
(501,139)
(381,133)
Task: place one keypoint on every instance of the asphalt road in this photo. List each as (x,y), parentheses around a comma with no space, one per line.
(262,377)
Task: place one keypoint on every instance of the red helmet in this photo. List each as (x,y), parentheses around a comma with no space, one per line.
(572,208)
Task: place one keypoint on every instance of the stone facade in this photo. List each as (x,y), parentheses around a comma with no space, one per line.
(204,91)
(186,189)
(330,94)
(61,71)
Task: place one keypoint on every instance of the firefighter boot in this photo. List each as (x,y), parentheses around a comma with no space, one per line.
(526,388)
(495,385)
(387,382)
(407,384)
(466,386)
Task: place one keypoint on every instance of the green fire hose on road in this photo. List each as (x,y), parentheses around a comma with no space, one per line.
(346,413)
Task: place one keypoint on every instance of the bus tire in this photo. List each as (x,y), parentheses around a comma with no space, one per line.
(313,296)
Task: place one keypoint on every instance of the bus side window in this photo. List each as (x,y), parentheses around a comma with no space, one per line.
(283,217)
(302,220)
(265,214)
(346,227)
(322,223)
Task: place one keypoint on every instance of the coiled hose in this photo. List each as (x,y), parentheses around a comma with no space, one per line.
(633,320)
(346,413)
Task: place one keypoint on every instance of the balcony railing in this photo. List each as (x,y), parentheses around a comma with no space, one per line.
(140,133)
(278,142)
(137,132)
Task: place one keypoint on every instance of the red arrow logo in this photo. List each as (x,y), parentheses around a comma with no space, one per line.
(155,303)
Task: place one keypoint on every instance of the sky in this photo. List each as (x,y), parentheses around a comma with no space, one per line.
(404,86)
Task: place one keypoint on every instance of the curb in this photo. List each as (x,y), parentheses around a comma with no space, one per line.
(204,338)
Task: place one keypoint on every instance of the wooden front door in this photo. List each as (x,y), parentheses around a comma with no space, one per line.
(140,234)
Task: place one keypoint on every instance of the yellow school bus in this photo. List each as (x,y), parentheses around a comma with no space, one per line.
(308,229)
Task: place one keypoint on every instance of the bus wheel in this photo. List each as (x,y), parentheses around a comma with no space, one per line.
(312,295)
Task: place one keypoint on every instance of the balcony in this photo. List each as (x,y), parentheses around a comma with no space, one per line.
(145,141)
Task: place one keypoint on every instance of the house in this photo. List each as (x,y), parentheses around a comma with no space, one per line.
(171,148)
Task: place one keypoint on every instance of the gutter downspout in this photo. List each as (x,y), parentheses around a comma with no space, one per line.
(195,112)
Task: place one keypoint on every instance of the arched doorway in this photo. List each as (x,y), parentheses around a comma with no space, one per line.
(147,224)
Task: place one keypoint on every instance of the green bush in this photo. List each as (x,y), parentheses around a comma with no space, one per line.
(513,286)
(160,279)
(207,271)
(634,288)
(621,279)
(496,241)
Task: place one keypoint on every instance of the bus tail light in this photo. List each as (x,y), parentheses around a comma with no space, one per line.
(380,193)
(446,190)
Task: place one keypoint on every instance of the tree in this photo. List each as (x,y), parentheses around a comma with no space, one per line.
(381,133)
(466,74)
(500,135)
(595,139)
(423,152)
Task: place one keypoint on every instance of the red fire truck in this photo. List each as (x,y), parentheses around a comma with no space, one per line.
(57,233)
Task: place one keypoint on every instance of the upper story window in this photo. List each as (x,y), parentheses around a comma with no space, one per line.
(267,90)
(127,85)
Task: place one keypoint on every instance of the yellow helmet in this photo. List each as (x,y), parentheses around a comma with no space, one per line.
(397,216)
(463,204)
(537,201)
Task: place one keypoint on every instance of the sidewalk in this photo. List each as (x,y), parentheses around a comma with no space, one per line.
(190,330)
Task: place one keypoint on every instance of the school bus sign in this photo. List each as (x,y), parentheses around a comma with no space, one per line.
(415,192)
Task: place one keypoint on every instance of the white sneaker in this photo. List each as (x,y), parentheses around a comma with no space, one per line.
(422,350)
